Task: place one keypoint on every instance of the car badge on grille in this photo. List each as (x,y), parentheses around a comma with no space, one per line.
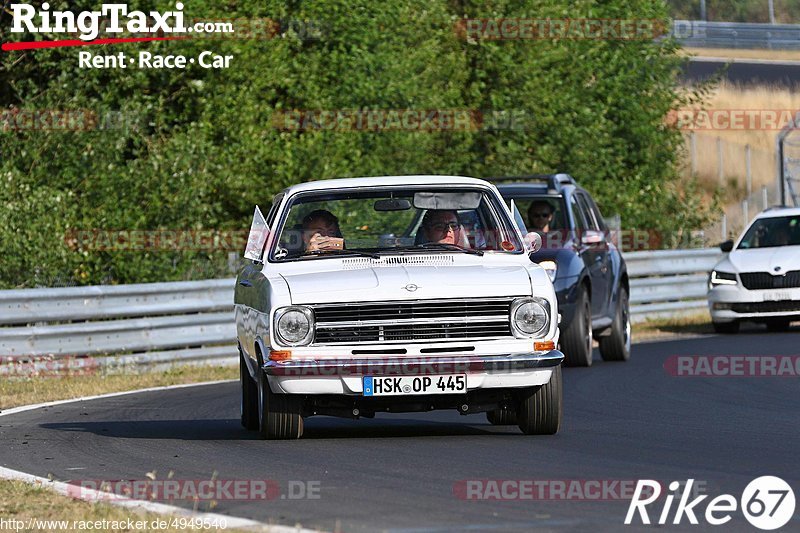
(411,287)
(777,269)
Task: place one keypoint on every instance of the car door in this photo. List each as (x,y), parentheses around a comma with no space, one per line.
(595,252)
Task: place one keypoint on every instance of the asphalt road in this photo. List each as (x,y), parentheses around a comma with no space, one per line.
(623,421)
(745,72)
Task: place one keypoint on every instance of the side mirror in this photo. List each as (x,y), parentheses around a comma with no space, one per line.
(592,237)
(533,241)
(726,246)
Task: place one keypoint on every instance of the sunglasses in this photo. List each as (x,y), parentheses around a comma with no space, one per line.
(445,227)
(540,215)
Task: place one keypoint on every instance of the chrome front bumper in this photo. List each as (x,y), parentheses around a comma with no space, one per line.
(504,363)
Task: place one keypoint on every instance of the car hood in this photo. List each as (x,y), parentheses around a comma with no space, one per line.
(408,283)
(784,258)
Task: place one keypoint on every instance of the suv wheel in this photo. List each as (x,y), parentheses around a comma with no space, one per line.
(249,404)
(726,327)
(278,414)
(617,346)
(540,409)
(577,340)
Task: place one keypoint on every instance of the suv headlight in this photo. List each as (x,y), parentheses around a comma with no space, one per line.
(721,278)
(551,267)
(530,317)
(294,325)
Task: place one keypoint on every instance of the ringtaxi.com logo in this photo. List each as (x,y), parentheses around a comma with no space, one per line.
(767,502)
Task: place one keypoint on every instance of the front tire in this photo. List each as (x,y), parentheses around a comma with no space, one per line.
(617,346)
(577,340)
(249,403)
(540,408)
(501,417)
(278,414)
(778,324)
(726,327)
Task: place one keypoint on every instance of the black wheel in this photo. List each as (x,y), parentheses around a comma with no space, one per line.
(501,417)
(617,346)
(778,324)
(249,404)
(576,342)
(540,409)
(278,414)
(726,327)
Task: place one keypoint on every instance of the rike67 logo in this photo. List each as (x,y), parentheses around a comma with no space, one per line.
(767,503)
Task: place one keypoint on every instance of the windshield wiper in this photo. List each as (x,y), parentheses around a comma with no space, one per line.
(445,246)
(359,253)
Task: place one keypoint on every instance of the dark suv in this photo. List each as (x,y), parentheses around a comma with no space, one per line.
(586,268)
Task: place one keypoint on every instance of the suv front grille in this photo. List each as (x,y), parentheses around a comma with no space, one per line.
(420,321)
(765,280)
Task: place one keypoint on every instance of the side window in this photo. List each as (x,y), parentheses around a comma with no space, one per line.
(591,222)
(601,222)
(578,214)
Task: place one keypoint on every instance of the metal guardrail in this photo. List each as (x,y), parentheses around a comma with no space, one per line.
(669,282)
(160,323)
(142,324)
(704,34)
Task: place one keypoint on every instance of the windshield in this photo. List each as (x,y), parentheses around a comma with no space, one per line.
(393,220)
(771,232)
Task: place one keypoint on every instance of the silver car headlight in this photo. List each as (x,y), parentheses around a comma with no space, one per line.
(721,278)
(530,317)
(294,325)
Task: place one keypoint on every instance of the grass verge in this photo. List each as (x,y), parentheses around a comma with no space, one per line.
(40,509)
(47,388)
(682,326)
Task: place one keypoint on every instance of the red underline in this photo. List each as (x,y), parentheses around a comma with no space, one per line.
(8,47)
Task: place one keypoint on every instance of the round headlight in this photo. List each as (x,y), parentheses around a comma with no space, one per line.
(294,325)
(531,318)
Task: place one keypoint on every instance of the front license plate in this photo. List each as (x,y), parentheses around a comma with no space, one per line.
(776,296)
(399,385)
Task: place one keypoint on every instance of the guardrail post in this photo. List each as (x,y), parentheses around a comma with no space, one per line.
(745,213)
(748,170)
(724,227)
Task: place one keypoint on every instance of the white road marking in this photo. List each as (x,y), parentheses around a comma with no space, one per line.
(91,495)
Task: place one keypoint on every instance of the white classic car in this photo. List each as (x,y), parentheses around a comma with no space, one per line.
(395,294)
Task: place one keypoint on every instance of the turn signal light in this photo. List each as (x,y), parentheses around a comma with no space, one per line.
(542,346)
(280,355)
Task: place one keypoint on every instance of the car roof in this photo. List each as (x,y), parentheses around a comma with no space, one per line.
(779,211)
(553,185)
(379,181)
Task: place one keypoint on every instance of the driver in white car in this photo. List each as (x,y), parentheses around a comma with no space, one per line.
(442,226)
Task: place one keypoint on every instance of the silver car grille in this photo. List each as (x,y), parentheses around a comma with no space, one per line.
(414,321)
(765,280)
